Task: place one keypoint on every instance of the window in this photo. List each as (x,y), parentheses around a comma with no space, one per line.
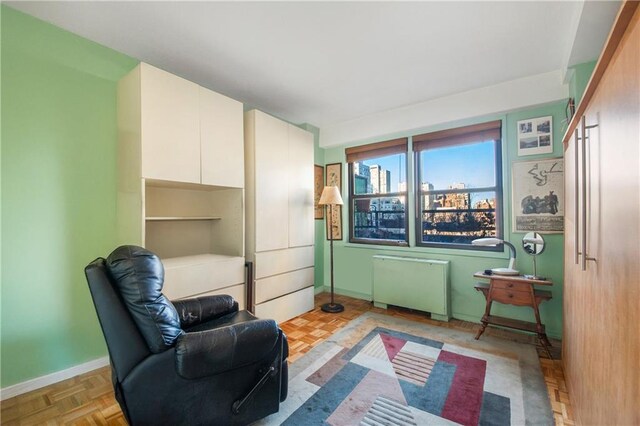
(458,185)
(378,193)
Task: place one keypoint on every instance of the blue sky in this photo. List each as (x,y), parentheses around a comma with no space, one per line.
(472,165)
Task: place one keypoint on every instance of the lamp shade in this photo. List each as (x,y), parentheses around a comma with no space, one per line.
(487,242)
(330,196)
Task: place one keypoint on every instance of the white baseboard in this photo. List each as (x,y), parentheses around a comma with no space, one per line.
(49,379)
(354,294)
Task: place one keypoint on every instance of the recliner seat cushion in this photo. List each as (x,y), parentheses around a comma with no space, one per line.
(139,275)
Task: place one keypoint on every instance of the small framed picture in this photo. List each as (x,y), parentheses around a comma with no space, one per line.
(318,186)
(333,176)
(535,136)
(570,109)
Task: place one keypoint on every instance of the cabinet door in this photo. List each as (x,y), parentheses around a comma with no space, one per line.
(571,295)
(221,140)
(605,299)
(271,183)
(301,229)
(170,126)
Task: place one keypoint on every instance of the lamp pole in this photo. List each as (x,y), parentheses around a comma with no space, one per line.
(330,197)
(331,247)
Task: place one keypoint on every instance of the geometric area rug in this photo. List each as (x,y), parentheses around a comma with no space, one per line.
(382,370)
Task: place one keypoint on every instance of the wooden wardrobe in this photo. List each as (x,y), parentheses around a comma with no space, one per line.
(601,342)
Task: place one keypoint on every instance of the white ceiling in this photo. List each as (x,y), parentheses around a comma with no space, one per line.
(326,63)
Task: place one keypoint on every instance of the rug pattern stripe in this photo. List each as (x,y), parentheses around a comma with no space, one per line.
(315,410)
(375,348)
(388,412)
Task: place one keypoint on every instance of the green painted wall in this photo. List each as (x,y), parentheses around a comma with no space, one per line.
(59,141)
(353,262)
(580,75)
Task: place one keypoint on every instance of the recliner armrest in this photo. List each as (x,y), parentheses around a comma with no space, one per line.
(210,352)
(200,309)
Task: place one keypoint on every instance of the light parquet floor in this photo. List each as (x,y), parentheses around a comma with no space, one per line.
(88,399)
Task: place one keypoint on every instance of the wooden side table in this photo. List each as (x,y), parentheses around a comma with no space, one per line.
(513,290)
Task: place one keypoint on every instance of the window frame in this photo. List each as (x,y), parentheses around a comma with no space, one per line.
(384,151)
(498,188)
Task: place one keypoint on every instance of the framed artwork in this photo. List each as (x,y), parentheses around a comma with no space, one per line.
(537,196)
(318,186)
(535,136)
(333,176)
(570,109)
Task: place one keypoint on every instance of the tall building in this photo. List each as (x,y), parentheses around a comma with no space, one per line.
(380,180)
(429,199)
(455,201)
(363,178)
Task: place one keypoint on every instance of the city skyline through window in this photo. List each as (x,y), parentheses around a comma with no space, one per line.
(396,165)
(378,199)
(459,194)
(457,187)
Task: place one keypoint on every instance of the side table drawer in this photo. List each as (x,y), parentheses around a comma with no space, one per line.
(512,297)
(511,285)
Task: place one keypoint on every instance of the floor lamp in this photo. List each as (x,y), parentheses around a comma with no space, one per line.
(331,197)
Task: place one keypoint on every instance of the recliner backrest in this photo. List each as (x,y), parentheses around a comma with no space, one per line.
(138,274)
(127,347)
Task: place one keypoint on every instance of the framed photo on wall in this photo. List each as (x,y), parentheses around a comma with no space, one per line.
(318,186)
(333,176)
(537,196)
(535,136)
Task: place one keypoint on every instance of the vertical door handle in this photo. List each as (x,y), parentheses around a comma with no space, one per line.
(585,137)
(576,224)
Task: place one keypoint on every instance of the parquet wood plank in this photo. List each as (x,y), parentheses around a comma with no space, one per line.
(88,399)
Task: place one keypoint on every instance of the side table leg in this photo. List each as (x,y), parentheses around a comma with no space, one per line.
(487,312)
(483,327)
(546,344)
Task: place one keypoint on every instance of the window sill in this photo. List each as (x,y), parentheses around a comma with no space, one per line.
(385,243)
(426,250)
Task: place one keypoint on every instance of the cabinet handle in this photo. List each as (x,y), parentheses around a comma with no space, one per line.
(585,256)
(576,224)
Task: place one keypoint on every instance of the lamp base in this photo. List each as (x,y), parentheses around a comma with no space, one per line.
(332,308)
(505,271)
(535,277)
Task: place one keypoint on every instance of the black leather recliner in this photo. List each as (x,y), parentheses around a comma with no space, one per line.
(194,361)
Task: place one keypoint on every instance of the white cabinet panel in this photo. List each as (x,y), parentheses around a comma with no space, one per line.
(286,307)
(191,275)
(221,139)
(301,225)
(275,286)
(271,183)
(236,291)
(281,261)
(170,128)
(280,224)
(194,222)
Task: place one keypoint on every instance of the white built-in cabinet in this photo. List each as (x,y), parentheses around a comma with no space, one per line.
(279,212)
(181,180)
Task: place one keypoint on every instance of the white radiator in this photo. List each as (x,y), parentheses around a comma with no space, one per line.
(414,283)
